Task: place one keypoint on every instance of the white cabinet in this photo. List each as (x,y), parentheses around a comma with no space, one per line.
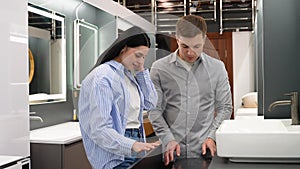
(14,162)
(14,116)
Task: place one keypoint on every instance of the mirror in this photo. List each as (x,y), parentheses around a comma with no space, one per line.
(85,49)
(46,41)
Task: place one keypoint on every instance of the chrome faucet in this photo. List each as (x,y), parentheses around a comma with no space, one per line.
(35,117)
(294,106)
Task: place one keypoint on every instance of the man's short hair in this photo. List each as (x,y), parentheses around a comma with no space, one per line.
(190,26)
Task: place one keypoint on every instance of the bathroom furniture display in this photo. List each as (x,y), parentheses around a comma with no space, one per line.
(254,139)
(277,75)
(59,146)
(14,116)
(85,49)
(46,41)
(58,156)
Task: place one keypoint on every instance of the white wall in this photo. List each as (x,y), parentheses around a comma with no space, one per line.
(14,114)
(243,65)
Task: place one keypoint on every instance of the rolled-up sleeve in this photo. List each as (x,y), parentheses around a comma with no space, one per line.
(148,89)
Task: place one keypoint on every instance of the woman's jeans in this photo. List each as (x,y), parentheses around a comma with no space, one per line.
(128,161)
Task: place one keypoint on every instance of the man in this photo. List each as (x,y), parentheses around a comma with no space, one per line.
(193,94)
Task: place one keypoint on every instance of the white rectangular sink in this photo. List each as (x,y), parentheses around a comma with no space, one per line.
(63,133)
(259,140)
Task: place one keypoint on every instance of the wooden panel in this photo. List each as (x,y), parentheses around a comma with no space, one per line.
(220,46)
(45,156)
(148,127)
(75,157)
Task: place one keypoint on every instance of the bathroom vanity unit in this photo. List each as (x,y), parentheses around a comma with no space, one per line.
(58,147)
(255,139)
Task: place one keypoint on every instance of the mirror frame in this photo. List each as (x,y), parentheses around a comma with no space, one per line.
(77,24)
(60,97)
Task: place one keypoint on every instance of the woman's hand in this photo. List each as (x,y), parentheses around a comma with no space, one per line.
(140,146)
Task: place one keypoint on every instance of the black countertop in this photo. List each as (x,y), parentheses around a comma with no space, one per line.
(224,163)
(153,160)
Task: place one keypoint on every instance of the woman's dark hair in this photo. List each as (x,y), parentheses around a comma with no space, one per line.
(132,37)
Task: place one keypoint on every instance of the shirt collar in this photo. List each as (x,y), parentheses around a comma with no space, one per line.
(174,58)
(118,66)
(121,69)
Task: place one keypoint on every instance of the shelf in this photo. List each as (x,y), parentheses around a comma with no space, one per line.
(236,9)
(236,19)
(165,1)
(205,8)
(202,11)
(164,26)
(237,28)
(141,10)
(168,19)
(139,6)
(169,12)
(144,14)
(170,6)
(237,15)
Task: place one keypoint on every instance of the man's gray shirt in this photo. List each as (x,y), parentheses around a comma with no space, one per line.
(191,104)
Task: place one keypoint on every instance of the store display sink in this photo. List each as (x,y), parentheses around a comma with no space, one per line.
(63,133)
(259,140)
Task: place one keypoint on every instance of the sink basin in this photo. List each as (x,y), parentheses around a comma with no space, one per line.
(259,140)
(63,133)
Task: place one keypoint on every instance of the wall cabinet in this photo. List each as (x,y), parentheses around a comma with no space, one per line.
(59,156)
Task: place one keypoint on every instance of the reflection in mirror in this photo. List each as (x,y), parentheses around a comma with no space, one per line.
(47,44)
(85,49)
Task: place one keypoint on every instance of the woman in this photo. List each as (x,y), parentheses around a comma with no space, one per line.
(111,101)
